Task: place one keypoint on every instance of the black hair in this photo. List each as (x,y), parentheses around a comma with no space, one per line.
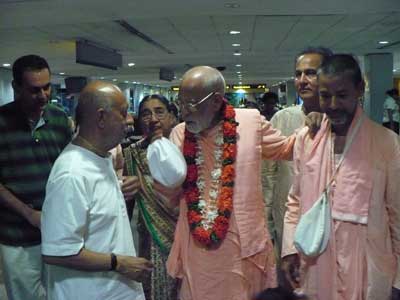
(173,108)
(28,63)
(270,95)
(278,293)
(161,98)
(338,64)
(323,51)
(392,92)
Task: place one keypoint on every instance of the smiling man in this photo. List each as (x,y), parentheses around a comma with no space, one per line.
(361,258)
(32,135)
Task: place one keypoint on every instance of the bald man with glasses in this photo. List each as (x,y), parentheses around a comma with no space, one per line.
(222,249)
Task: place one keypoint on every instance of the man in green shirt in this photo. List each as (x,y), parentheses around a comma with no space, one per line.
(32,135)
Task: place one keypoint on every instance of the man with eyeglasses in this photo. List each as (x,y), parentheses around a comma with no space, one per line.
(33,134)
(277,175)
(222,249)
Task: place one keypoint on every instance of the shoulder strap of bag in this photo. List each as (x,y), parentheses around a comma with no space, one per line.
(349,141)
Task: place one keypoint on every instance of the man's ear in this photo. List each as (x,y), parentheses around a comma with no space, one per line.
(16,88)
(101,117)
(218,101)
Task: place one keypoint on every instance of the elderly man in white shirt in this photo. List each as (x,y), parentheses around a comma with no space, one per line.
(86,236)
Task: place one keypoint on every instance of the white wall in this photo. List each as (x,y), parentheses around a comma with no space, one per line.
(6,90)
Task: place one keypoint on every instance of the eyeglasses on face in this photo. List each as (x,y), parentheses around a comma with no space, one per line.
(191,105)
(147,114)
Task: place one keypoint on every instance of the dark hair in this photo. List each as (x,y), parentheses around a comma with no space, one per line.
(393,92)
(160,98)
(323,51)
(270,95)
(173,108)
(28,63)
(278,293)
(338,64)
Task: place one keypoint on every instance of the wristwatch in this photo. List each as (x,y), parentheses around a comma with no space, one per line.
(113,262)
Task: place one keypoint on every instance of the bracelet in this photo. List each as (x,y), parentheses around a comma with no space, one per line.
(113,262)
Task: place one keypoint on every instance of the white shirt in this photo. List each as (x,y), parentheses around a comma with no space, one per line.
(390,104)
(84,207)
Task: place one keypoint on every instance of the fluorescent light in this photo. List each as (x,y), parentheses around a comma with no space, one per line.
(237,53)
(134,82)
(61,73)
(236,45)
(131,64)
(114,79)
(126,81)
(232,5)
(394,70)
(240,82)
(102,78)
(238,72)
(238,65)
(234,32)
(6,65)
(383,42)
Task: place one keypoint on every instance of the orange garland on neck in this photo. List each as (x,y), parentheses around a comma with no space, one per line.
(216,234)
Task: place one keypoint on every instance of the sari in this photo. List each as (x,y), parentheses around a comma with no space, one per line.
(156,226)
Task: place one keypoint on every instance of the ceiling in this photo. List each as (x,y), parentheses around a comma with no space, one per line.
(196,32)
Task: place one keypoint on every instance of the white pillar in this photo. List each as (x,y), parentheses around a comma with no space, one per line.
(379,79)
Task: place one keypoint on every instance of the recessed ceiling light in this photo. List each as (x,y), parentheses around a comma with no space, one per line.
(234,32)
(383,42)
(131,64)
(238,72)
(6,65)
(134,82)
(394,70)
(240,82)
(237,53)
(232,5)
(238,65)
(61,73)
(114,79)
(101,78)
(126,81)
(236,45)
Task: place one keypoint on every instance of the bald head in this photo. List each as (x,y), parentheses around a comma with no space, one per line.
(203,79)
(101,114)
(201,98)
(96,95)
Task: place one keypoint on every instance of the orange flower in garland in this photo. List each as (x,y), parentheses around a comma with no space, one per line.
(213,235)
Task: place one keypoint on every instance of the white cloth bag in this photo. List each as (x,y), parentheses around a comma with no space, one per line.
(314,228)
(166,163)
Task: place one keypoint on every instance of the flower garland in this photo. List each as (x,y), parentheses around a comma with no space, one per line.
(209,222)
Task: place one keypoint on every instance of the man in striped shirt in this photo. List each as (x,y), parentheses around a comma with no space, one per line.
(32,135)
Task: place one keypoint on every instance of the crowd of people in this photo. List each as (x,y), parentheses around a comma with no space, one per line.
(218,196)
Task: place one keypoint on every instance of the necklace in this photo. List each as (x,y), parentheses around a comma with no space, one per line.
(209,222)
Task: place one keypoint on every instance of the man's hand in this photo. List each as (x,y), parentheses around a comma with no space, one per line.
(130,186)
(33,217)
(291,269)
(313,122)
(134,268)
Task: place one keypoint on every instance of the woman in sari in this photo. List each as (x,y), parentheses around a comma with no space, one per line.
(156,224)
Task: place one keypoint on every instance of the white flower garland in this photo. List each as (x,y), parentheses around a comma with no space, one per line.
(209,211)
